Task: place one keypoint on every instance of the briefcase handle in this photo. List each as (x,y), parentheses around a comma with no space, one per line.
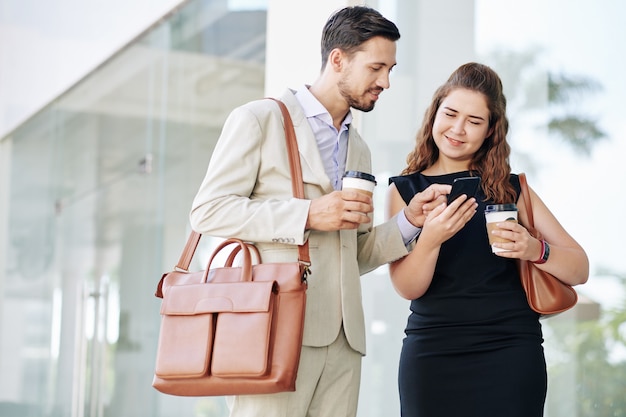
(244,248)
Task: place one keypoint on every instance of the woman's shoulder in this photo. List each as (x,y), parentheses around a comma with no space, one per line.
(408,185)
(515,182)
(405,177)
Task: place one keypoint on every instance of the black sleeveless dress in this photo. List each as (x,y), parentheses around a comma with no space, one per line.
(473,347)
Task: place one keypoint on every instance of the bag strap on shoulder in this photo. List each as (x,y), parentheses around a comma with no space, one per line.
(297,184)
(525,194)
(297,187)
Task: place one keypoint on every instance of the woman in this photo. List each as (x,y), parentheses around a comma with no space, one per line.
(473,346)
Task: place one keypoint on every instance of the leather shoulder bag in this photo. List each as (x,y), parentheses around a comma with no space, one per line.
(546,294)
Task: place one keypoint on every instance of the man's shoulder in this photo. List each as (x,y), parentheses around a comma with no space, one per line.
(258,106)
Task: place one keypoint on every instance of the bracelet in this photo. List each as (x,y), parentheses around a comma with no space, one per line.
(545,253)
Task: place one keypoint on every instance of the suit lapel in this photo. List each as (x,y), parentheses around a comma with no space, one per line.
(354,160)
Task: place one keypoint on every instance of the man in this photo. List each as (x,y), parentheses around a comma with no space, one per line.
(247,194)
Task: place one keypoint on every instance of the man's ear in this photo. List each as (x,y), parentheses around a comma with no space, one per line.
(336,59)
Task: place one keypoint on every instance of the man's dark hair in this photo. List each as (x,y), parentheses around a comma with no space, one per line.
(348,28)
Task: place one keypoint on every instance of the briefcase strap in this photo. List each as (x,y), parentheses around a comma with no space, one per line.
(190,248)
(297,187)
(297,184)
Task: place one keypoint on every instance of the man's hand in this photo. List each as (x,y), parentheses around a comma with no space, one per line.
(423,203)
(339,210)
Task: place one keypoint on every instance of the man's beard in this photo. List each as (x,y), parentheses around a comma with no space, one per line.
(353,101)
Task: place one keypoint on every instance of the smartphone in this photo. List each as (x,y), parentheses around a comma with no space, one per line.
(465,185)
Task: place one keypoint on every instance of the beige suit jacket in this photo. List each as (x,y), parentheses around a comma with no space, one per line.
(247,194)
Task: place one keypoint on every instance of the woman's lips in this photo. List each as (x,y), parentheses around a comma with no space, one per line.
(454,142)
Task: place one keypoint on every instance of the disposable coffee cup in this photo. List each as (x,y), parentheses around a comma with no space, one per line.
(496,213)
(360,181)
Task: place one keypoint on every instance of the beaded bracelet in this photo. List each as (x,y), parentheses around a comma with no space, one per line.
(545,253)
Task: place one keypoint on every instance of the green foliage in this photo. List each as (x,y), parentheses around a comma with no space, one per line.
(588,376)
(562,88)
(565,92)
(579,132)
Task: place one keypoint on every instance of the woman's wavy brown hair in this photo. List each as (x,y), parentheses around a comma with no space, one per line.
(491,161)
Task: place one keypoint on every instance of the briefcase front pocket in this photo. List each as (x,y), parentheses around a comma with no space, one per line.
(218,329)
(185,345)
(243,348)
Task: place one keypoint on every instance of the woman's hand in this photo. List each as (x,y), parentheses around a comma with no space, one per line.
(521,246)
(567,261)
(444,221)
(411,276)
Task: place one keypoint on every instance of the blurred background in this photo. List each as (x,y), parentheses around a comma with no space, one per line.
(109,112)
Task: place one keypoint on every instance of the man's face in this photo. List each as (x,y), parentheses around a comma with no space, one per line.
(366,74)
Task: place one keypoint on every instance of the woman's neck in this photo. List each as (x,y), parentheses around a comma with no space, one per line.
(446,167)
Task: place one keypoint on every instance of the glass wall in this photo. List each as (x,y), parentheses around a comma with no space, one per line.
(97,196)
(95,191)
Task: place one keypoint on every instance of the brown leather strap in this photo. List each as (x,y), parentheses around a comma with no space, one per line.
(188,251)
(297,187)
(526,194)
(528,206)
(297,184)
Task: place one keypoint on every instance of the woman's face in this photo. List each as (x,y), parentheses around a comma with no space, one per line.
(461,125)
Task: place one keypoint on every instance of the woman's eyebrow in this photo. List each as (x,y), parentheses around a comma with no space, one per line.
(456,111)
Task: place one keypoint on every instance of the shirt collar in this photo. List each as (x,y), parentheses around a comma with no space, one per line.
(313,108)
